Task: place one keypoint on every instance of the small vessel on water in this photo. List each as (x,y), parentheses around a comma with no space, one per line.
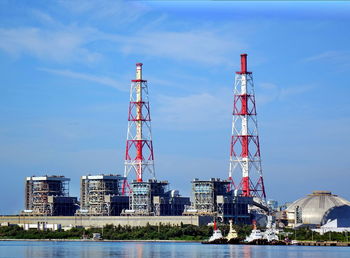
(217,237)
(256,237)
(232,237)
(271,233)
(267,237)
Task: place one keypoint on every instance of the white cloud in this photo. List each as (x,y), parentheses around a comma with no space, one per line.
(44,18)
(88,77)
(61,45)
(208,46)
(334,57)
(269,92)
(199,112)
(324,55)
(78,40)
(118,11)
(70,43)
(205,111)
(292,91)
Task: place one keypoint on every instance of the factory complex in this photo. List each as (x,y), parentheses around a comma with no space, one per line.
(102,201)
(137,198)
(119,199)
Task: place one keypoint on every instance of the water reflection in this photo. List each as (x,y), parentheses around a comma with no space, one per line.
(161,250)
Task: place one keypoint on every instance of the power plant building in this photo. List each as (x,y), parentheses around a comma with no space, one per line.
(214,198)
(48,195)
(111,195)
(152,197)
(100,195)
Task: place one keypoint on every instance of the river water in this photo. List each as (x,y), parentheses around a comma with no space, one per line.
(163,250)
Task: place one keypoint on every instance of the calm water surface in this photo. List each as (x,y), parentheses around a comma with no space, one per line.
(163,250)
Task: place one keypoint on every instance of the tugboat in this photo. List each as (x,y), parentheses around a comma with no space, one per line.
(217,237)
(232,237)
(271,233)
(256,237)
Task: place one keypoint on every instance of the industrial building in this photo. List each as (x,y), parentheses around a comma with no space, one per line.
(214,198)
(49,195)
(147,197)
(153,198)
(111,195)
(315,210)
(336,219)
(100,195)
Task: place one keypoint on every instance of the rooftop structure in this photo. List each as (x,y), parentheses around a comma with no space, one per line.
(310,210)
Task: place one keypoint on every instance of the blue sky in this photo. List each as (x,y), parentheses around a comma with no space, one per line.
(66,68)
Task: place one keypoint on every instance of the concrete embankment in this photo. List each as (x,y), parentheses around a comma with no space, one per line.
(325,243)
(100,221)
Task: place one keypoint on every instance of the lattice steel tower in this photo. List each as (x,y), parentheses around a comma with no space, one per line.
(139,156)
(245,148)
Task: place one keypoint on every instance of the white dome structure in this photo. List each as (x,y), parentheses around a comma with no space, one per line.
(312,208)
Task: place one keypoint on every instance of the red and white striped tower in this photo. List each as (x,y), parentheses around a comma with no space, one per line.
(245,149)
(139,156)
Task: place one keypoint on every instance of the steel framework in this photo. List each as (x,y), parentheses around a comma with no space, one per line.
(245,148)
(94,190)
(139,149)
(140,200)
(38,191)
(205,194)
(142,194)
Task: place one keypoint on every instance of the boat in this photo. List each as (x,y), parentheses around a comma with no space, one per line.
(256,237)
(232,237)
(217,237)
(271,233)
(267,237)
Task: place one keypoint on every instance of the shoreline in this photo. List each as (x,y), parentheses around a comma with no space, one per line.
(102,240)
(299,243)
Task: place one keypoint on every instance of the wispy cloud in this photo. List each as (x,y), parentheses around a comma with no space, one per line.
(206,111)
(44,18)
(324,55)
(269,92)
(334,57)
(79,40)
(88,77)
(199,111)
(60,45)
(124,11)
(292,91)
(208,46)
